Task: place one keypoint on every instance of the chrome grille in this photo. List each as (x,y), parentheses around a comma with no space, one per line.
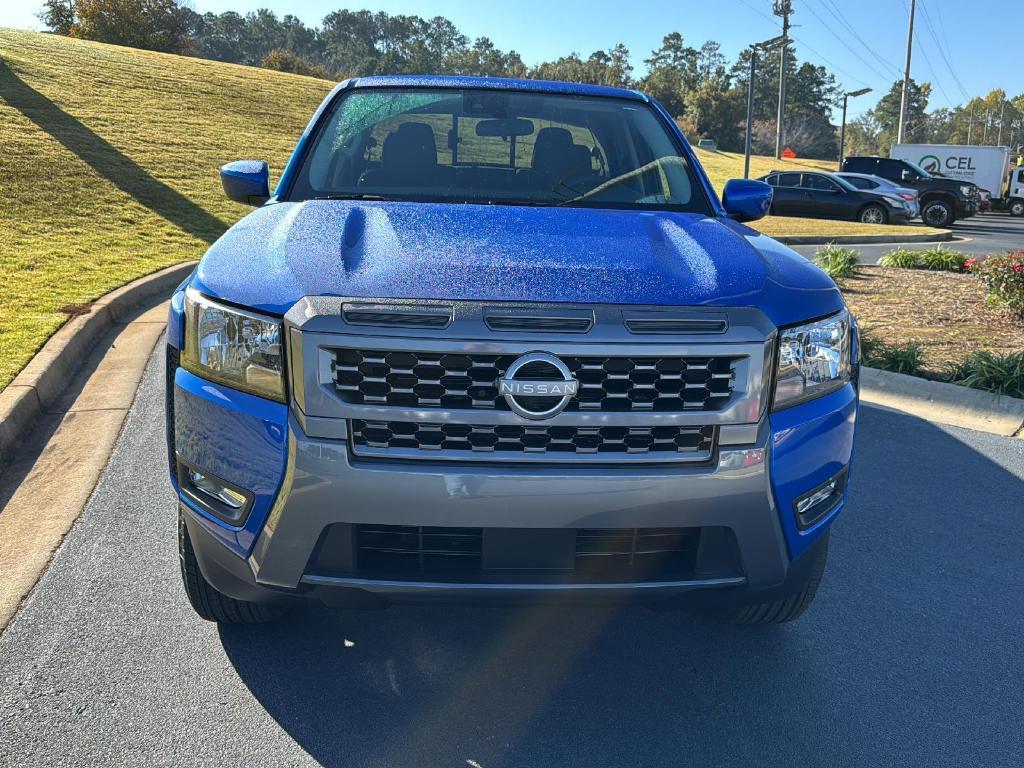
(469,381)
(678,442)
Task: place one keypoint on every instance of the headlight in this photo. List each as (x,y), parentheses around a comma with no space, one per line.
(814,359)
(240,349)
(967,191)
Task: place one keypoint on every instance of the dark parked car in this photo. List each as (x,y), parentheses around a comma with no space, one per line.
(885,187)
(943,200)
(826,196)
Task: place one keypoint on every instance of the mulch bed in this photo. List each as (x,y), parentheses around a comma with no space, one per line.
(945,312)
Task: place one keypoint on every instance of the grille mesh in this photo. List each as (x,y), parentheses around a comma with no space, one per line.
(690,443)
(458,381)
(601,554)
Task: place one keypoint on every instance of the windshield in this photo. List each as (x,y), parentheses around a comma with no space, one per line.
(491,146)
(919,170)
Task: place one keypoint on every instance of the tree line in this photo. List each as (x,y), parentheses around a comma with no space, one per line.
(698,85)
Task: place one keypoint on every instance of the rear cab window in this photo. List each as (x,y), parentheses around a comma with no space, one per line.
(498,147)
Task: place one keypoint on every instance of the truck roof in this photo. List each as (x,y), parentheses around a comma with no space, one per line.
(491,83)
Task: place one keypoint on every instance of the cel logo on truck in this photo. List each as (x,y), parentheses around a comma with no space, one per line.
(537,386)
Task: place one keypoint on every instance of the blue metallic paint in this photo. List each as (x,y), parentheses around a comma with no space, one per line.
(283,252)
(746,199)
(236,436)
(246,181)
(810,443)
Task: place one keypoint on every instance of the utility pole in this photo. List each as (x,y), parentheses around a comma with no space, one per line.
(1002,109)
(906,76)
(970,125)
(782,8)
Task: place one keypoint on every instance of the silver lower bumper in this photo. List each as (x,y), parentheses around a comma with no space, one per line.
(325,485)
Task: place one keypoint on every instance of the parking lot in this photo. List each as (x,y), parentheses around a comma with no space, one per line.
(980,235)
(901,661)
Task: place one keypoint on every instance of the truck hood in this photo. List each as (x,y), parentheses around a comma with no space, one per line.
(283,252)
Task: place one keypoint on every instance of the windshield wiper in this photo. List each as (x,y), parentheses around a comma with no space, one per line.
(354,196)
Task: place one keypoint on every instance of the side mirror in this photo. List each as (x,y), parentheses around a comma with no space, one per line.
(746,199)
(246,181)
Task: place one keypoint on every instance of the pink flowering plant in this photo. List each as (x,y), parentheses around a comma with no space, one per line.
(1004,278)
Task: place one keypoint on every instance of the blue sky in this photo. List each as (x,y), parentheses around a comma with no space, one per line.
(977,40)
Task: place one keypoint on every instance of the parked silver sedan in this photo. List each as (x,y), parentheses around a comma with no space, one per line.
(878,184)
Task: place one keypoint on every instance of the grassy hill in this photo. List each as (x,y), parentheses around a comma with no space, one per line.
(108,169)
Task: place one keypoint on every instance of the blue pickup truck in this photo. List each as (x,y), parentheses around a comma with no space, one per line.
(500,339)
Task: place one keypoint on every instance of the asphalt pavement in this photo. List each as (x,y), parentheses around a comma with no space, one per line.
(911,654)
(981,235)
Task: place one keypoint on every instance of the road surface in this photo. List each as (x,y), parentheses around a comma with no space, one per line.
(980,235)
(910,656)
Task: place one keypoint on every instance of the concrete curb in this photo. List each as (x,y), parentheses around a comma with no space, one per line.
(864,239)
(42,381)
(943,403)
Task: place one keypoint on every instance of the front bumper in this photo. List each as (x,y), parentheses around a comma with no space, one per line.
(301,485)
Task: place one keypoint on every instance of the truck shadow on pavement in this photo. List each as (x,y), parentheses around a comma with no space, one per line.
(107,160)
(906,656)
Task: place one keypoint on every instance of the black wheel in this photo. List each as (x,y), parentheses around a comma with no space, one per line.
(938,213)
(873,214)
(1016,207)
(786,609)
(207,601)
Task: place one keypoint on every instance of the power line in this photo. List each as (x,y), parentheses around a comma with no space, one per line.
(846,45)
(759,12)
(831,64)
(941,49)
(927,59)
(820,56)
(837,14)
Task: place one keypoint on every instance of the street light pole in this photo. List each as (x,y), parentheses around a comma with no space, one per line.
(764,47)
(842,127)
(750,112)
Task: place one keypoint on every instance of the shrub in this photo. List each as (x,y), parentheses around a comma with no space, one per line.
(943,259)
(282,60)
(1001,374)
(899,358)
(937,258)
(900,257)
(837,262)
(1004,278)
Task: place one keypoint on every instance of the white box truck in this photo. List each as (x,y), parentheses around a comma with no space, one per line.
(988,167)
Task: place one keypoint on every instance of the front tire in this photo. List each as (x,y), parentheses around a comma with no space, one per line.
(1016,208)
(786,609)
(207,601)
(873,214)
(938,213)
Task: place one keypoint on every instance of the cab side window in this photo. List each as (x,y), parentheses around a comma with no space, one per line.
(820,183)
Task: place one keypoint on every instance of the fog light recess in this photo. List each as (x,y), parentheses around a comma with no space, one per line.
(218,497)
(820,500)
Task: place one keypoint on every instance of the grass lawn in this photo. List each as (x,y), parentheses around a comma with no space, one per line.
(109,169)
(944,312)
